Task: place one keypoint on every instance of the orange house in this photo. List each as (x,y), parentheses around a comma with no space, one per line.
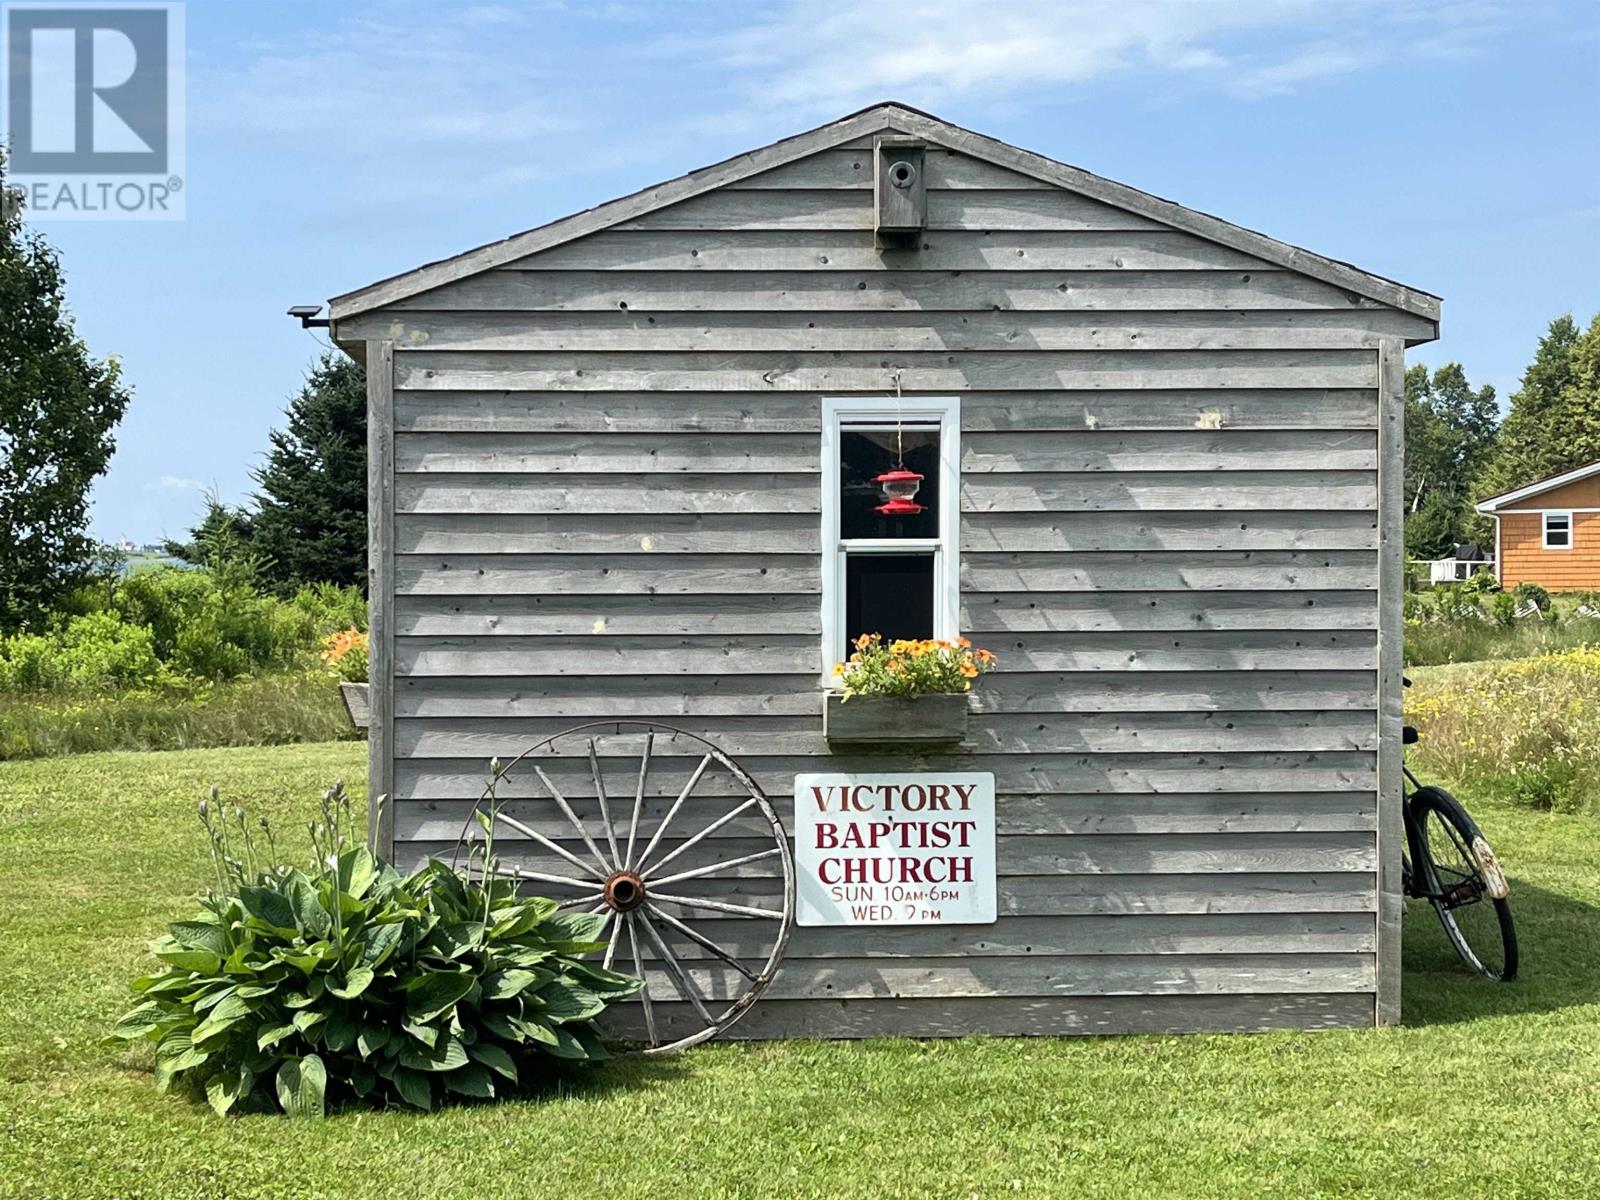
(1548,531)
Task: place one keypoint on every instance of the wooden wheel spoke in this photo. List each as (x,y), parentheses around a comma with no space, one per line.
(680,977)
(534,835)
(638,799)
(702,940)
(574,903)
(716,868)
(614,924)
(721,906)
(706,832)
(644,992)
(566,810)
(605,805)
(541,877)
(673,811)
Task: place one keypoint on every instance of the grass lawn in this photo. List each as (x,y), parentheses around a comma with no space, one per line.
(1488,1090)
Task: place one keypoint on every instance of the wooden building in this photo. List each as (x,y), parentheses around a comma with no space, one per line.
(1548,531)
(606,462)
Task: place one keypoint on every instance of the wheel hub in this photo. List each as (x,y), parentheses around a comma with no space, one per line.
(624,891)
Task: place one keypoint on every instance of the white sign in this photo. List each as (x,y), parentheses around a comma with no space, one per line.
(894,849)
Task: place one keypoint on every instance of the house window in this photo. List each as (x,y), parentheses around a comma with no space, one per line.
(891,574)
(1558,531)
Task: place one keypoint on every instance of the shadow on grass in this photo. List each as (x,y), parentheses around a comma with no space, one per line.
(1557,970)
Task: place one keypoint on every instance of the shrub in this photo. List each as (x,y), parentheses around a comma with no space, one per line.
(346,653)
(1503,609)
(293,989)
(1529,729)
(910,668)
(1481,582)
(1534,594)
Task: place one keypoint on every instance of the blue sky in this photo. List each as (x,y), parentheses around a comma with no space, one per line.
(1450,145)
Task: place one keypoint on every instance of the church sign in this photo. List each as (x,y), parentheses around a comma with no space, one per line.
(894,849)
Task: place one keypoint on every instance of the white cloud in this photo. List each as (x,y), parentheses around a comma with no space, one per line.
(828,60)
(174,483)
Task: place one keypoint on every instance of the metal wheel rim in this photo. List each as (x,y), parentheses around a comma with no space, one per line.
(636,860)
(1448,875)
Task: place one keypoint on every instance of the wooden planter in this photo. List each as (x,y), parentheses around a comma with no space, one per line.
(356,703)
(894,720)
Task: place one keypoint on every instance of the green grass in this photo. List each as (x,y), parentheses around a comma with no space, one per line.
(266,710)
(1431,643)
(1488,1090)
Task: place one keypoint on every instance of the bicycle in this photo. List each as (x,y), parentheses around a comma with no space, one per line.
(1459,876)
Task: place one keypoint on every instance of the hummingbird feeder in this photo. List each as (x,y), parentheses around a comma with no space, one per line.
(899,485)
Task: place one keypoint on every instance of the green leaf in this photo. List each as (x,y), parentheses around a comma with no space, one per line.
(340,1032)
(224,1016)
(269,908)
(306,1018)
(567,1046)
(357,871)
(589,1039)
(495,1058)
(356,982)
(309,914)
(270,1035)
(446,1056)
(202,962)
(507,985)
(382,941)
(566,1001)
(501,1025)
(362,1078)
(223,1091)
(214,997)
(371,1039)
(436,992)
(201,935)
(573,927)
(302,1087)
(471,1080)
(428,1035)
(414,1088)
(536,1030)
(140,1022)
(607,983)
(174,1055)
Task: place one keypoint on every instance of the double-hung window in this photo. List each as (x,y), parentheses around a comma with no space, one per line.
(897,573)
(1558,531)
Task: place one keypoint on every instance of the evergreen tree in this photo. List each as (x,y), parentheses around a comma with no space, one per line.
(1541,435)
(58,410)
(310,519)
(225,532)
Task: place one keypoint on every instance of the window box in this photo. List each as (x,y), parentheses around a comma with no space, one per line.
(357,702)
(937,719)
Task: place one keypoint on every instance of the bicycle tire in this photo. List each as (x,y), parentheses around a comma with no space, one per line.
(1457,867)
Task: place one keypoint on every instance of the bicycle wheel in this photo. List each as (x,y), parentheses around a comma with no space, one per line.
(1475,919)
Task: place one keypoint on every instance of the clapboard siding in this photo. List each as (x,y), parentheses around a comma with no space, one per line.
(606,507)
(511,411)
(1006,691)
(675,332)
(802,292)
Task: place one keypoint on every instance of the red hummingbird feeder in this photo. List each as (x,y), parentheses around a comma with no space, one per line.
(899,491)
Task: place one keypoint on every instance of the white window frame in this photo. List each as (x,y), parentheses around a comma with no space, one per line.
(876,412)
(1544,527)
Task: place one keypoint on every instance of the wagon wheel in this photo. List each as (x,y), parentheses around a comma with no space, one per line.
(650,875)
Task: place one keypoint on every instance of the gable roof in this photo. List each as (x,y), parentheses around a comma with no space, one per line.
(1549,483)
(884,118)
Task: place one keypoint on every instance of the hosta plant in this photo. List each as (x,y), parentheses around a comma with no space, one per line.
(297,988)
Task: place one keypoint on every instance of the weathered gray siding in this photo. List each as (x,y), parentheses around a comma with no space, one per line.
(605,504)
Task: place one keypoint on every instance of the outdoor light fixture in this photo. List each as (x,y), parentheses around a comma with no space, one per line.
(306,314)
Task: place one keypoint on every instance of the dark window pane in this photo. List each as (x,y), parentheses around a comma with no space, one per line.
(862,456)
(891,594)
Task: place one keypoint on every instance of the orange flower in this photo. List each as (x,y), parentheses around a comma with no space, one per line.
(970,671)
(984,656)
(964,643)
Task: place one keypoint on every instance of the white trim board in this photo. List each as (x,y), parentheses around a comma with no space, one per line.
(1498,503)
(946,410)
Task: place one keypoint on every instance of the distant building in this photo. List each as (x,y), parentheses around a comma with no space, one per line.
(1548,531)
(1464,561)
